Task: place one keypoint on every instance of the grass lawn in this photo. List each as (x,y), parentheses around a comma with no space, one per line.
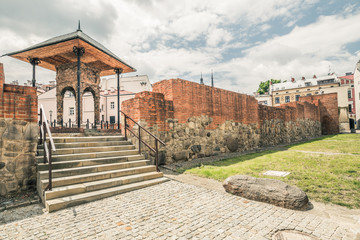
(341,143)
(325,178)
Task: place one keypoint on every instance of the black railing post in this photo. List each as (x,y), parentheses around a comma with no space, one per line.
(50,167)
(125,126)
(44,128)
(54,123)
(139,140)
(156,155)
(40,124)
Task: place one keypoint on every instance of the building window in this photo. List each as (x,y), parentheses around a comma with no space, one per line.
(112,105)
(112,119)
(297,97)
(265,102)
(287,98)
(102,107)
(309,94)
(71,111)
(277,100)
(349,93)
(102,118)
(350,108)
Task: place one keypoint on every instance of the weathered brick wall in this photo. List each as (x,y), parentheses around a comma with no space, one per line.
(328,111)
(198,120)
(17,102)
(18,136)
(192,99)
(151,108)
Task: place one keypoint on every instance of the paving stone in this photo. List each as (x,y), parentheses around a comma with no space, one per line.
(171,210)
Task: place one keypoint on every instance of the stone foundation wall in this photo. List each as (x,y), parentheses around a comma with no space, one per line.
(18,137)
(17,155)
(190,140)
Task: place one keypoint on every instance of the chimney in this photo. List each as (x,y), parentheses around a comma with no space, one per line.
(303,78)
(292,79)
(314,76)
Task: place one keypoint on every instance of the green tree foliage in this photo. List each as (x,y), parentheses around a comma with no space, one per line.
(264,86)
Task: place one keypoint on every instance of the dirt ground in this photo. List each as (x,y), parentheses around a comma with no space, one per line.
(341,215)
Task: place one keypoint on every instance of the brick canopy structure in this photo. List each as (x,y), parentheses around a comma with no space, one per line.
(79,61)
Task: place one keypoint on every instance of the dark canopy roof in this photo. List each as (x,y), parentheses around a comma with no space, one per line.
(59,50)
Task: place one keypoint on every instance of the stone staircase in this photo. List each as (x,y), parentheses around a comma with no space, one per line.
(85,169)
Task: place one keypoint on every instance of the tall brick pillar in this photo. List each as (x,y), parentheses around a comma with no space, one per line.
(66,80)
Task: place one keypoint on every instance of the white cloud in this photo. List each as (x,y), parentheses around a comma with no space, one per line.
(167,39)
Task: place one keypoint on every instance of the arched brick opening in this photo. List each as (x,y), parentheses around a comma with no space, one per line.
(60,102)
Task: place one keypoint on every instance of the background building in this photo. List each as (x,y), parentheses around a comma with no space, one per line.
(108,99)
(291,91)
(357,94)
(264,99)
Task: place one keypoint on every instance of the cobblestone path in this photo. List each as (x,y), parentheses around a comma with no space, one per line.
(171,210)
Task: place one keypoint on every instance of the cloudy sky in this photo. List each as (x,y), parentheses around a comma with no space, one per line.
(243,41)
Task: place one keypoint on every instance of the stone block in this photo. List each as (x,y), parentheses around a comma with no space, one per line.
(31,132)
(3,190)
(267,190)
(232,143)
(11,166)
(179,156)
(12,133)
(196,148)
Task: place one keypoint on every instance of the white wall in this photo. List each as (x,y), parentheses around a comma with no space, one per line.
(357,93)
(133,84)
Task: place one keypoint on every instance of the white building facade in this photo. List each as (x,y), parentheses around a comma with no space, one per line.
(357,94)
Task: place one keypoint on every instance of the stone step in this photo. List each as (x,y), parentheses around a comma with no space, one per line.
(97,185)
(63,151)
(88,144)
(73,200)
(91,169)
(79,156)
(88,139)
(70,180)
(89,162)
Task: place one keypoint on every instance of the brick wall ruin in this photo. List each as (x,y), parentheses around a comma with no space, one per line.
(18,136)
(198,120)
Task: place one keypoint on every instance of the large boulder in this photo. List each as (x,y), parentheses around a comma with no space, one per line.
(267,190)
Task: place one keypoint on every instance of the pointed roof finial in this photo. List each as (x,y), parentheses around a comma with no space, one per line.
(212,78)
(79,28)
(201,79)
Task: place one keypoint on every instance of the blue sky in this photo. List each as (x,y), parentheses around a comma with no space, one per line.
(243,41)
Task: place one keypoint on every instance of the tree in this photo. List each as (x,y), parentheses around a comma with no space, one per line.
(264,86)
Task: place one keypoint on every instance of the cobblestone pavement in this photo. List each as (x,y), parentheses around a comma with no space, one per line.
(171,210)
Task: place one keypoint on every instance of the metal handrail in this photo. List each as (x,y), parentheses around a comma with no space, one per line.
(45,129)
(156,150)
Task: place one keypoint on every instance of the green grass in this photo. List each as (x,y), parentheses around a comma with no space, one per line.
(342,143)
(325,178)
